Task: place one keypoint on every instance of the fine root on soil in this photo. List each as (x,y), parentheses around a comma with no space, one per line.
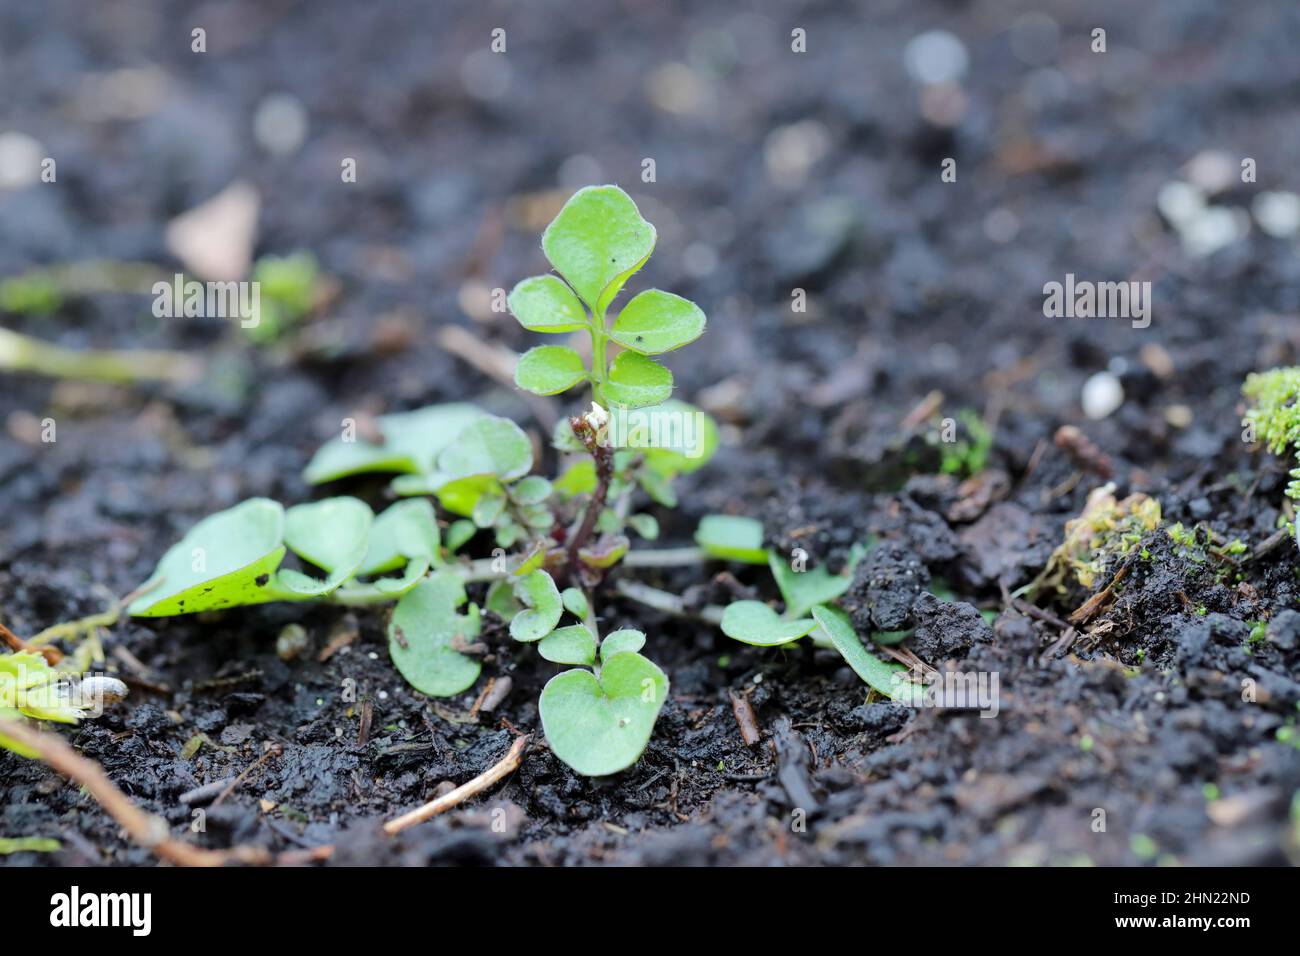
(488,778)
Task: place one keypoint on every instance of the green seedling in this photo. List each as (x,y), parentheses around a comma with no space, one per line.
(599,715)
(968,456)
(288,289)
(596,243)
(599,720)
(808,611)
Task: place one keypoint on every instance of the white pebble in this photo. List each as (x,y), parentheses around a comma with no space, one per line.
(1179,202)
(20,160)
(1217,227)
(935,57)
(280,124)
(1212,171)
(1278,214)
(1102,395)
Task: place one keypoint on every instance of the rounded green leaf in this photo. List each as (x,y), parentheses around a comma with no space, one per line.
(532,490)
(569,645)
(636,381)
(543,608)
(412,441)
(405,530)
(732,538)
(676,437)
(225,560)
(618,642)
(801,590)
(753,622)
(420,634)
(647,526)
(501,601)
(331,534)
(549,370)
(600,726)
(885,677)
(546,304)
(578,479)
(655,322)
(489,446)
(575,602)
(597,242)
(488,508)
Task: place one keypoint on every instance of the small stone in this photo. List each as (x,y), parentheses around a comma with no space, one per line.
(1277,213)
(1102,395)
(935,57)
(280,124)
(20,160)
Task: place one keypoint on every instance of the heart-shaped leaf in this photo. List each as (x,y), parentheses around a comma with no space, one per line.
(655,322)
(332,534)
(635,381)
(411,443)
(225,560)
(489,446)
(546,304)
(885,677)
(597,242)
(801,590)
(549,370)
(420,635)
(753,622)
(732,538)
(600,726)
(543,607)
(569,645)
(616,642)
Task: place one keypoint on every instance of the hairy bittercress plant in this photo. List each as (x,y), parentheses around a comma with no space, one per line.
(599,715)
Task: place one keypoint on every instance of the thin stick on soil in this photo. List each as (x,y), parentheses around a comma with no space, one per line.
(272,750)
(144,828)
(498,771)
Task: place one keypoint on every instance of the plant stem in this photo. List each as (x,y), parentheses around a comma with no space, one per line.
(666,601)
(663,558)
(22,353)
(604,458)
(599,341)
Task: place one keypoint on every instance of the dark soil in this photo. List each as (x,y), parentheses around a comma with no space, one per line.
(1138,718)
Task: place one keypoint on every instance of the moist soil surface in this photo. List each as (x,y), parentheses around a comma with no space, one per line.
(1147,733)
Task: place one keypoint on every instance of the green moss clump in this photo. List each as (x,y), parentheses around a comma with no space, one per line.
(1275,413)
